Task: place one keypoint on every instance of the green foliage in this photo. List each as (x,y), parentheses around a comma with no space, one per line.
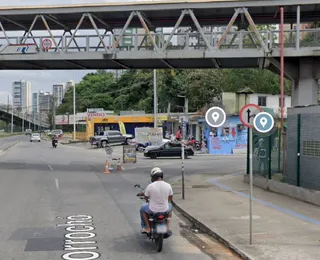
(134,89)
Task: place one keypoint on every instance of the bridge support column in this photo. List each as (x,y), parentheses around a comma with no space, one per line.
(305,88)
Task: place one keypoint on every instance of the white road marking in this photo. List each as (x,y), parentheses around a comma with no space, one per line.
(78,240)
(57,184)
(42,159)
(50,167)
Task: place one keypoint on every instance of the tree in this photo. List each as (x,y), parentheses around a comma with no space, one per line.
(92,92)
(134,89)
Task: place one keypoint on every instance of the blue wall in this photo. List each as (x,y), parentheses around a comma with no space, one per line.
(224,143)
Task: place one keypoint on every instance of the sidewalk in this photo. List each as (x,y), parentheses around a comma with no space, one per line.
(283,228)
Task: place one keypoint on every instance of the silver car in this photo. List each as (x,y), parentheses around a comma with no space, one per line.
(35,137)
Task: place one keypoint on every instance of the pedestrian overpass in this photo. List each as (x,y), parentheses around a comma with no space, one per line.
(158,34)
(19,119)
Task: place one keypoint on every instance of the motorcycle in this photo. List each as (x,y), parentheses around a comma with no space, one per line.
(194,143)
(54,143)
(158,225)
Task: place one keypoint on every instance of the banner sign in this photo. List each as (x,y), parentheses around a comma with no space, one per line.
(149,135)
(129,154)
(156,136)
(19,49)
(142,134)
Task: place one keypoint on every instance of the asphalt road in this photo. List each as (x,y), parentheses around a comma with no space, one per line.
(42,189)
(5,141)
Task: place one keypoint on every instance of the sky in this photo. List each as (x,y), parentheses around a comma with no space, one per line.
(40,79)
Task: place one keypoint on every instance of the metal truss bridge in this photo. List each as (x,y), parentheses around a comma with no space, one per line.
(20,118)
(175,34)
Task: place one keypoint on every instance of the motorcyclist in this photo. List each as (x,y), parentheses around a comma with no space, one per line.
(54,139)
(158,196)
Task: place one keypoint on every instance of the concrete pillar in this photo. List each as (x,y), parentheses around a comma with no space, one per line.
(305,88)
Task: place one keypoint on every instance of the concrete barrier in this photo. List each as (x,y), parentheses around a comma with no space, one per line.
(306,195)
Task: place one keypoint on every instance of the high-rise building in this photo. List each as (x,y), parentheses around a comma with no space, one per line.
(45,102)
(35,103)
(58,91)
(21,93)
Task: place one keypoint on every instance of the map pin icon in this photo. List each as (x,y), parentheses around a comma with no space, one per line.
(263,121)
(215,116)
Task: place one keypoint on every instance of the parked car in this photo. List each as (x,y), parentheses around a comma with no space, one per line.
(168,149)
(35,137)
(110,137)
(142,146)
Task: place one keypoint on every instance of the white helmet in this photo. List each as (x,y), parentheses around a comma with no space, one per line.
(155,170)
(155,173)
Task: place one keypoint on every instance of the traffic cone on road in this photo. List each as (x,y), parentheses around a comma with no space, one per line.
(119,167)
(106,167)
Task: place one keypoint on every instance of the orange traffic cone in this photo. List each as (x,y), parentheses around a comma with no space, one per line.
(106,167)
(119,167)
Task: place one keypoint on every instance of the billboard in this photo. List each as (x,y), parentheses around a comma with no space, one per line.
(149,135)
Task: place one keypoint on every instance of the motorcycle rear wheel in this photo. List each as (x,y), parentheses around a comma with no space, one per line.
(159,242)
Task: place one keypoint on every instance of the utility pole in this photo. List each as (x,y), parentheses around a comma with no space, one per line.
(22,122)
(74,112)
(8,105)
(155,101)
(12,115)
(54,113)
(184,132)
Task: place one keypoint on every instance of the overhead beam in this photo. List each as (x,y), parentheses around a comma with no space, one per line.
(216,63)
(167,63)
(291,71)
(35,65)
(76,64)
(121,64)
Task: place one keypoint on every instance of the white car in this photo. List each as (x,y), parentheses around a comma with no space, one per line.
(35,137)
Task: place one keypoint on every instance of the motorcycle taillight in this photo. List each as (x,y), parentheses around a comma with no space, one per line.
(161,217)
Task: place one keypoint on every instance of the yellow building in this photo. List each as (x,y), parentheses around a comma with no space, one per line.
(97,125)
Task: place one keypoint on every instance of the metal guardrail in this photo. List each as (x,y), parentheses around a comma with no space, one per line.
(179,41)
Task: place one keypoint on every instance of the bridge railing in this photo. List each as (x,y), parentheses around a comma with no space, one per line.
(178,41)
(34,119)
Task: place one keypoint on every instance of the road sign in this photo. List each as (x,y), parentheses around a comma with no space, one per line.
(46,44)
(247,114)
(216,117)
(263,122)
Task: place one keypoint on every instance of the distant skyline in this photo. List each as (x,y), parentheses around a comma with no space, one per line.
(40,79)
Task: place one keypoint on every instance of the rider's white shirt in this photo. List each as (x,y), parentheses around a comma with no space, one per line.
(158,193)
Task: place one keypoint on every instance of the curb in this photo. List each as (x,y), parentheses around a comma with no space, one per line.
(9,146)
(210,232)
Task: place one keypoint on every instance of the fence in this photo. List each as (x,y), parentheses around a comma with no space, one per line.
(303,150)
(267,159)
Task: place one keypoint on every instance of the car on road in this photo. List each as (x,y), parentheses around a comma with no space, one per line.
(56,132)
(28,132)
(110,137)
(35,137)
(142,146)
(168,149)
